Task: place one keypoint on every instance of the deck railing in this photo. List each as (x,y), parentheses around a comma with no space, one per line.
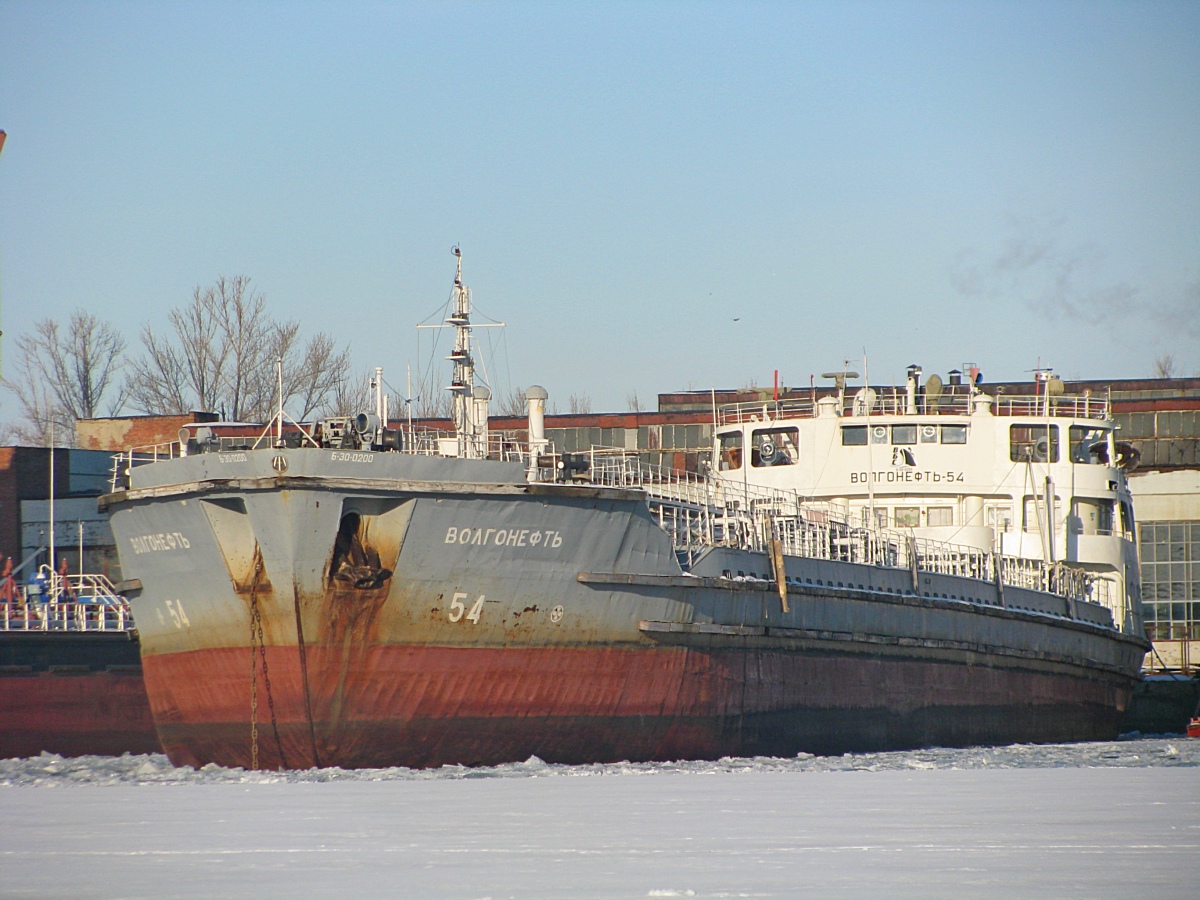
(65,603)
(700,512)
(33,615)
(895,402)
(126,460)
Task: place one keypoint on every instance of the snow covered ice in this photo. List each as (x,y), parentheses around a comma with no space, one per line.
(1113,819)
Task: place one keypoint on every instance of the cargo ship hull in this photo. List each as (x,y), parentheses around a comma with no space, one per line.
(73,694)
(437,706)
(385,609)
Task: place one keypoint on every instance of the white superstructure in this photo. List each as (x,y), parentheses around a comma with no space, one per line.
(1037,476)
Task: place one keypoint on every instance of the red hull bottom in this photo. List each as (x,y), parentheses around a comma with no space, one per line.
(102,713)
(430,706)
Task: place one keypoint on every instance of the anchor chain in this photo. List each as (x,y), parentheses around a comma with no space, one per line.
(253,685)
(258,647)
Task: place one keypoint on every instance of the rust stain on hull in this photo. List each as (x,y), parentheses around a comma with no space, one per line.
(430,706)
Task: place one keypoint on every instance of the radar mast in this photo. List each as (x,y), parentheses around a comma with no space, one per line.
(470,407)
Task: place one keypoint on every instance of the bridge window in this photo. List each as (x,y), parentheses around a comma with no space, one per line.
(954,434)
(731,451)
(904,434)
(775,447)
(1089,445)
(1092,516)
(854,435)
(1029,442)
(940,515)
(908,517)
(999,517)
(1035,514)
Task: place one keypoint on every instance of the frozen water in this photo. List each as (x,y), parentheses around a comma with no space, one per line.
(50,770)
(1097,820)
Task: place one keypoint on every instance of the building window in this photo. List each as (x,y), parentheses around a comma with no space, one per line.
(1170,554)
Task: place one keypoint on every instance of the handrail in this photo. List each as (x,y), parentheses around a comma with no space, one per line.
(421,441)
(894,403)
(28,614)
(66,603)
(699,512)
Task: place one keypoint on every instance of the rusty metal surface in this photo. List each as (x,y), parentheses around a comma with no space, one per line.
(451,624)
(75,713)
(73,693)
(432,706)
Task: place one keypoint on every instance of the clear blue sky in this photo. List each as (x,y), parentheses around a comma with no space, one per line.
(932,182)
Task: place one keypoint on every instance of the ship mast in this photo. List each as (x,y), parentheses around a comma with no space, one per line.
(470,402)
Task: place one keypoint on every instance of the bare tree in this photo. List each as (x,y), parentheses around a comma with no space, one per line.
(160,382)
(1165,367)
(350,395)
(41,417)
(632,401)
(580,404)
(172,379)
(63,376)
(512,404)
(433,401)
(249,337)
(222,355)
(317,375)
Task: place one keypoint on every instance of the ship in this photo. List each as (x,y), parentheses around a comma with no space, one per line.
(70,670)
(364,593)
(1038,477)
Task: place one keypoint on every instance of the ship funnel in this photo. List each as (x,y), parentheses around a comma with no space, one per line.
(535,397)
(910,390)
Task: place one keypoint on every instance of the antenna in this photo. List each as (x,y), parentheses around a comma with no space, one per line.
(279,415)
(53,549)
(839,380)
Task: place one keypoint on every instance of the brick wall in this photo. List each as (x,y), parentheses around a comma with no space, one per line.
(125,432)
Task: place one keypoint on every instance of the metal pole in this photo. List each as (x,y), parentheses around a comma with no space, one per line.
(53,560)
(279,417)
